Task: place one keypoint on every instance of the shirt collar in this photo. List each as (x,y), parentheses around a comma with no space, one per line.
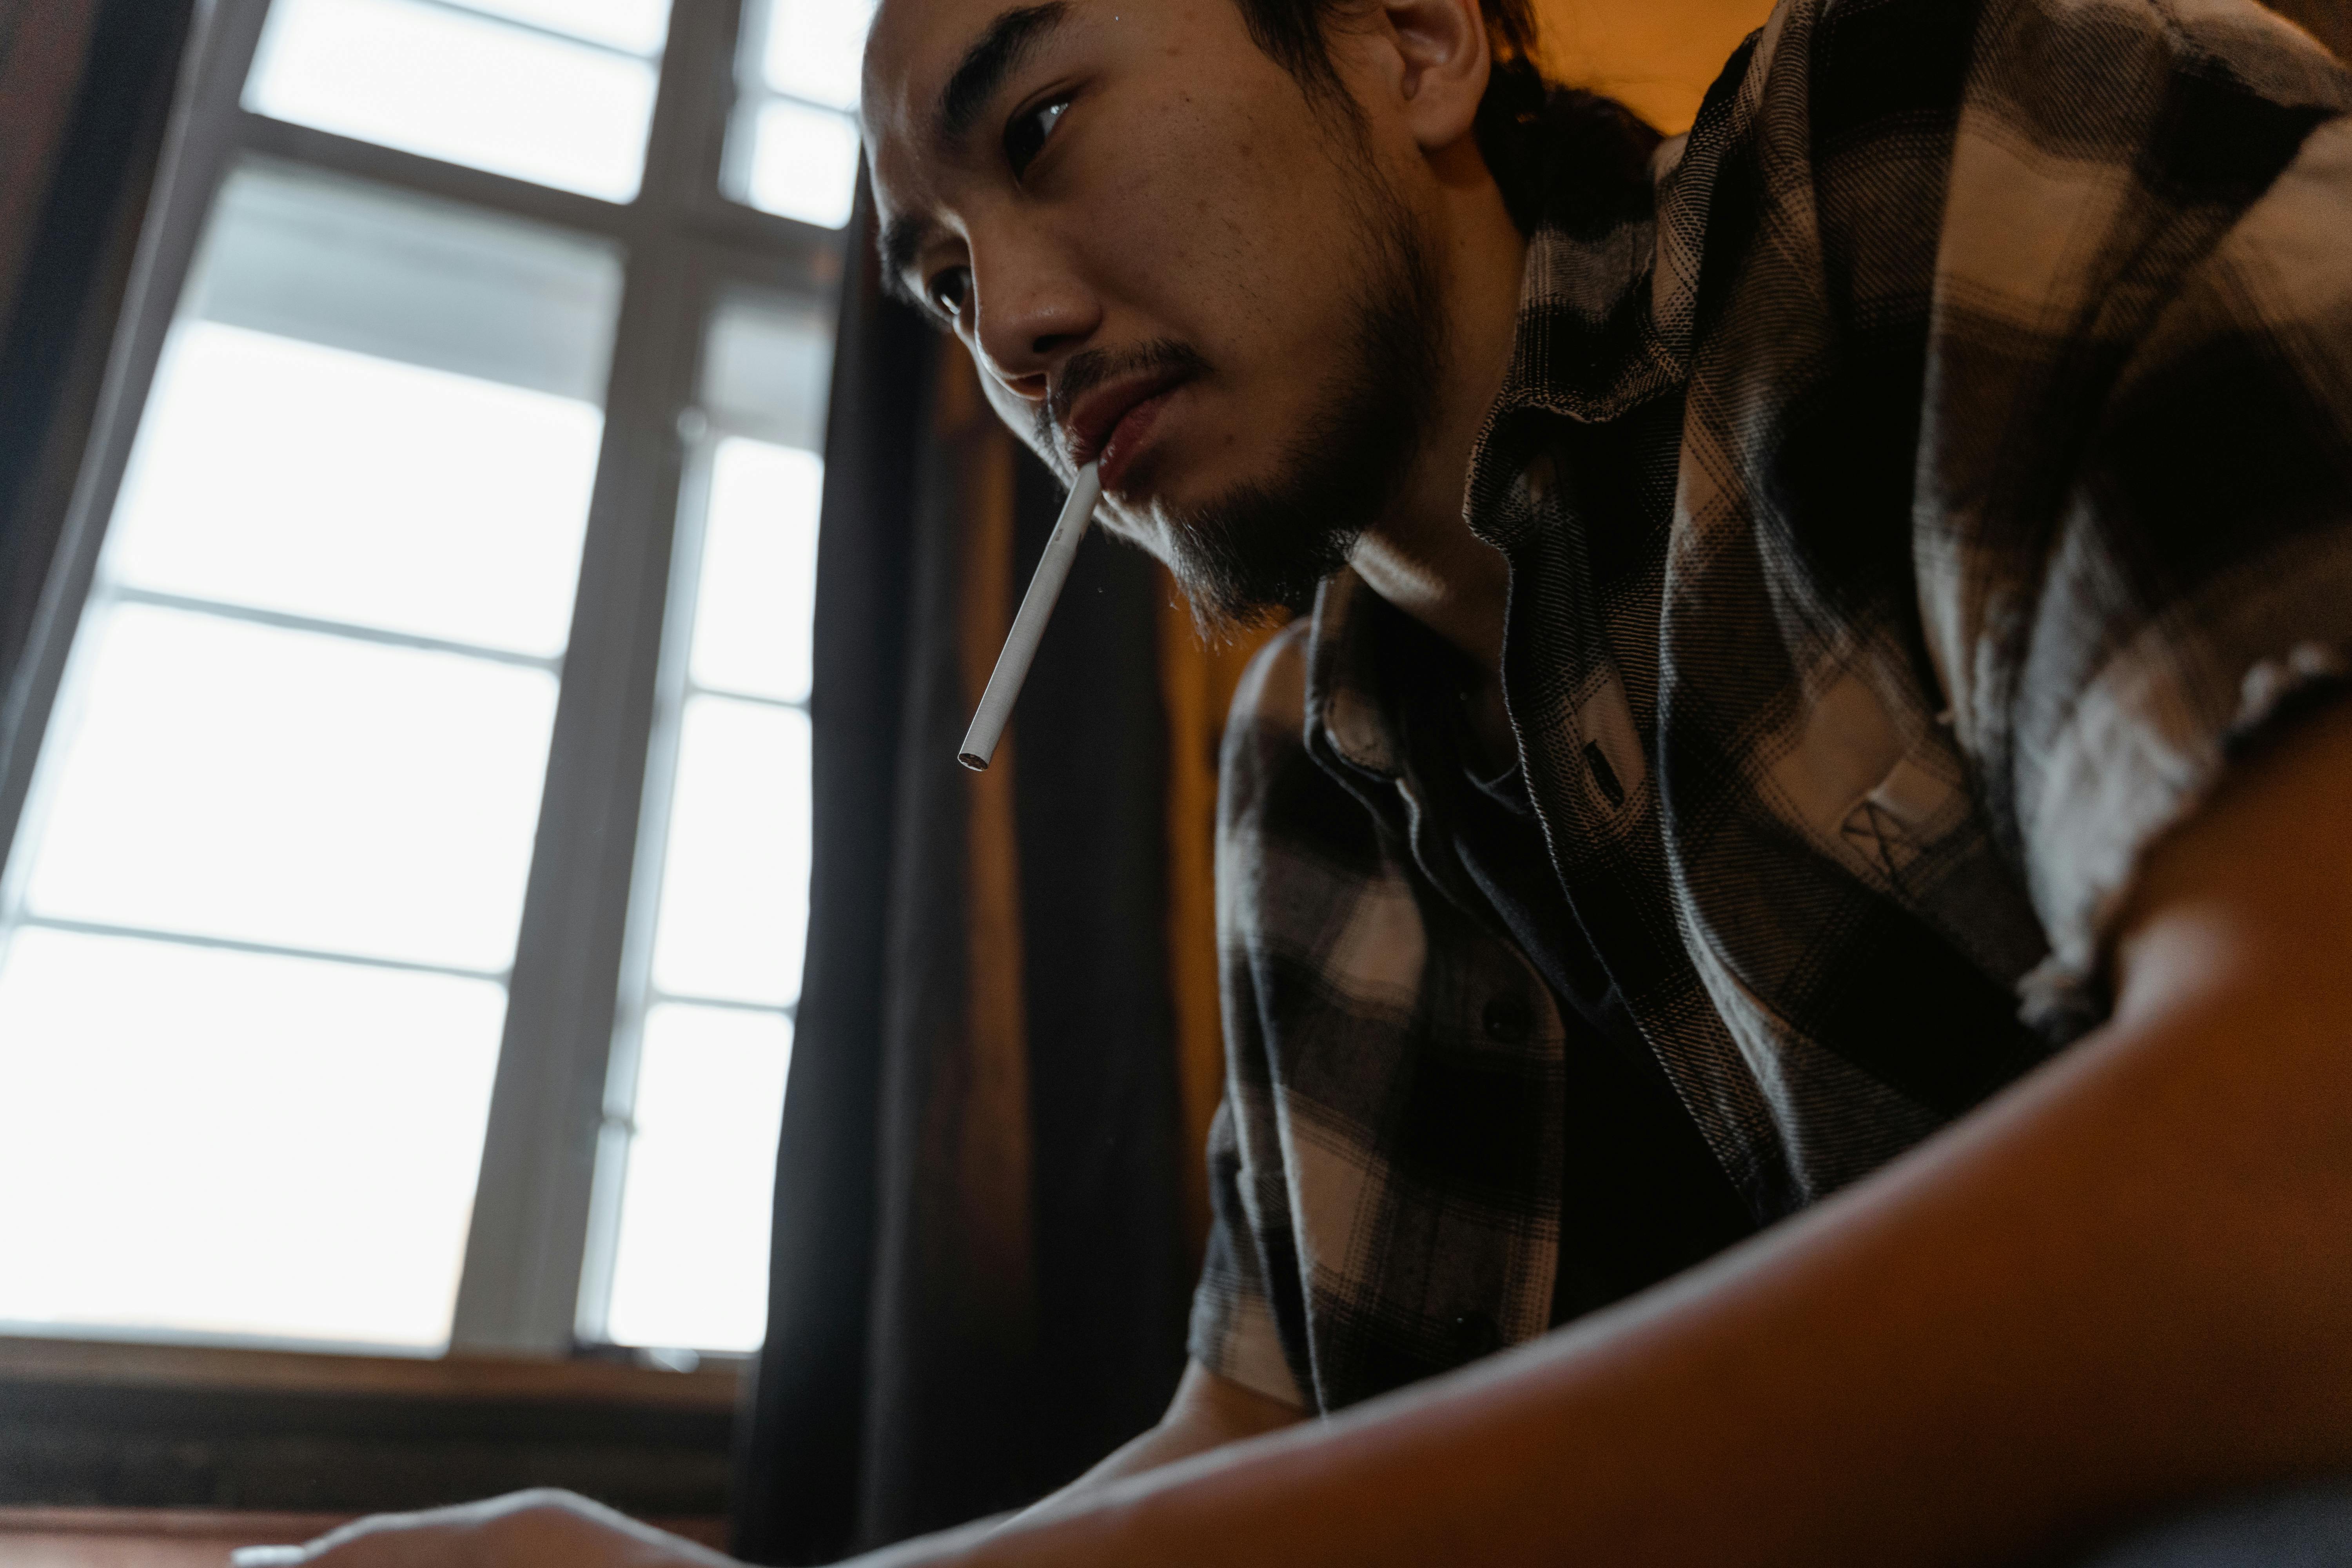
(1347,723)
(1607,317)
(1585,350)
(1606,320)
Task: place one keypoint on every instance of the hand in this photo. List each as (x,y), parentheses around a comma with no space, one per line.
(542,1529)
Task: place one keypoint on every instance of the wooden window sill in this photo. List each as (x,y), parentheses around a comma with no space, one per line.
(122,1364)
(86,1424)
(187,1538)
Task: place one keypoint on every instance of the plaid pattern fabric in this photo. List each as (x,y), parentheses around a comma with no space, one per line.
(1906,522)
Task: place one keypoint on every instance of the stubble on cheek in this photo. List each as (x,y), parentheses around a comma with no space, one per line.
(1235,227)
(1238,236)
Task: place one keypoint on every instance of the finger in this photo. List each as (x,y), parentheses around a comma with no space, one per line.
(314,1551)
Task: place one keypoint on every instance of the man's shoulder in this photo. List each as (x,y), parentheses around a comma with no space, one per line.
(2061,140)
(2122,116)
(1269,707)
(1280,810)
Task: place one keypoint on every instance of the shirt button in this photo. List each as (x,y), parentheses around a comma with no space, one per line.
(1474,1335)
(1508,1019)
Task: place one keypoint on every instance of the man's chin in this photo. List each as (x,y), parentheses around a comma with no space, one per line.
(1254,556)
(1161,480)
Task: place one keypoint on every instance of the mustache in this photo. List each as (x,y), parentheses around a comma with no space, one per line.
(1085,372)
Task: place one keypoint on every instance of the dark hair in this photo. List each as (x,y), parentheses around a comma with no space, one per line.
(1575,157)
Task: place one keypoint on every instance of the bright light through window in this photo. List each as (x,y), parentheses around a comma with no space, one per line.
(705,1030)
(637,27)
(252,990)
(283,475)
(239,781)
(266,899)
(814,48)
(195,1141)
(692,1267)
(757,601)
(734,900)
(794,150)
(450,82)
(807,164)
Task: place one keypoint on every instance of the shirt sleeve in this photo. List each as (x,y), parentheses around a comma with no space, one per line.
(2197,592)
(1233,1332)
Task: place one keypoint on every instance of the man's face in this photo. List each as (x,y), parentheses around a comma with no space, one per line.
(1165,256)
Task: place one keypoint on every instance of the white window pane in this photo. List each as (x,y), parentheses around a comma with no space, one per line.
(757,594)
(804,163)
(638,26)
(220,1143)
(768,371)
(691,1267)
(290,477)
(300,254)
(814,49)
(734,895)
(468,90)
(238,781)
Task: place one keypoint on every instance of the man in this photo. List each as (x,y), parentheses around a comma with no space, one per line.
(1781,600)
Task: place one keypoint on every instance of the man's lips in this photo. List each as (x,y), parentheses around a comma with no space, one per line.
(1109,421)
(1129,437)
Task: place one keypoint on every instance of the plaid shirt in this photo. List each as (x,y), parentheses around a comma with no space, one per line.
(1906,524)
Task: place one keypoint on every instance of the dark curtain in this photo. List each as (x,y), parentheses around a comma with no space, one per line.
(85,94)
(982,1262)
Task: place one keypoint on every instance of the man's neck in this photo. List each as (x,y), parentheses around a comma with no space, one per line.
(1421,556)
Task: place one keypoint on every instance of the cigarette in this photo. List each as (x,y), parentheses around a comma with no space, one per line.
(1029,625)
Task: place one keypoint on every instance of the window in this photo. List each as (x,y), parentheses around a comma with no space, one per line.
(794,150)
(400,935)
(679,1237)
(562,95)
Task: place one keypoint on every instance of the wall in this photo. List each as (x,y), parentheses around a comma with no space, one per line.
(1658,55)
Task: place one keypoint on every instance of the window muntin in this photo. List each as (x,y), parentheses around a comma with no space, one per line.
(721,902)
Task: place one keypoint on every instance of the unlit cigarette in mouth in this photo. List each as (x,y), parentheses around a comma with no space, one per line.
(1029,626)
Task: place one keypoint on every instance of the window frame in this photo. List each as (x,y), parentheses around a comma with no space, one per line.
(684,247)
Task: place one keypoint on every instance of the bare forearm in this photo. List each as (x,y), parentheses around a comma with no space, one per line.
(2126,1282)
(2004,1343)
(1163,1445)
(1208,1412)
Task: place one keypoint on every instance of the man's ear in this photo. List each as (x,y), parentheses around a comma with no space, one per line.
(1439,61)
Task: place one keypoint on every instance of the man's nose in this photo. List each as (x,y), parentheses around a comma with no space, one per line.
(1031,319)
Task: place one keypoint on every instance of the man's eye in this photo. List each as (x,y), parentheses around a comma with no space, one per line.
(948,288)
(1028,132)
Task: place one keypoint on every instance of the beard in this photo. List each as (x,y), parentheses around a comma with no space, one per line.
(1259,551)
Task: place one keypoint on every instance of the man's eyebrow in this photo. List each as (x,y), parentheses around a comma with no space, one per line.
(989,61)
(992,57)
